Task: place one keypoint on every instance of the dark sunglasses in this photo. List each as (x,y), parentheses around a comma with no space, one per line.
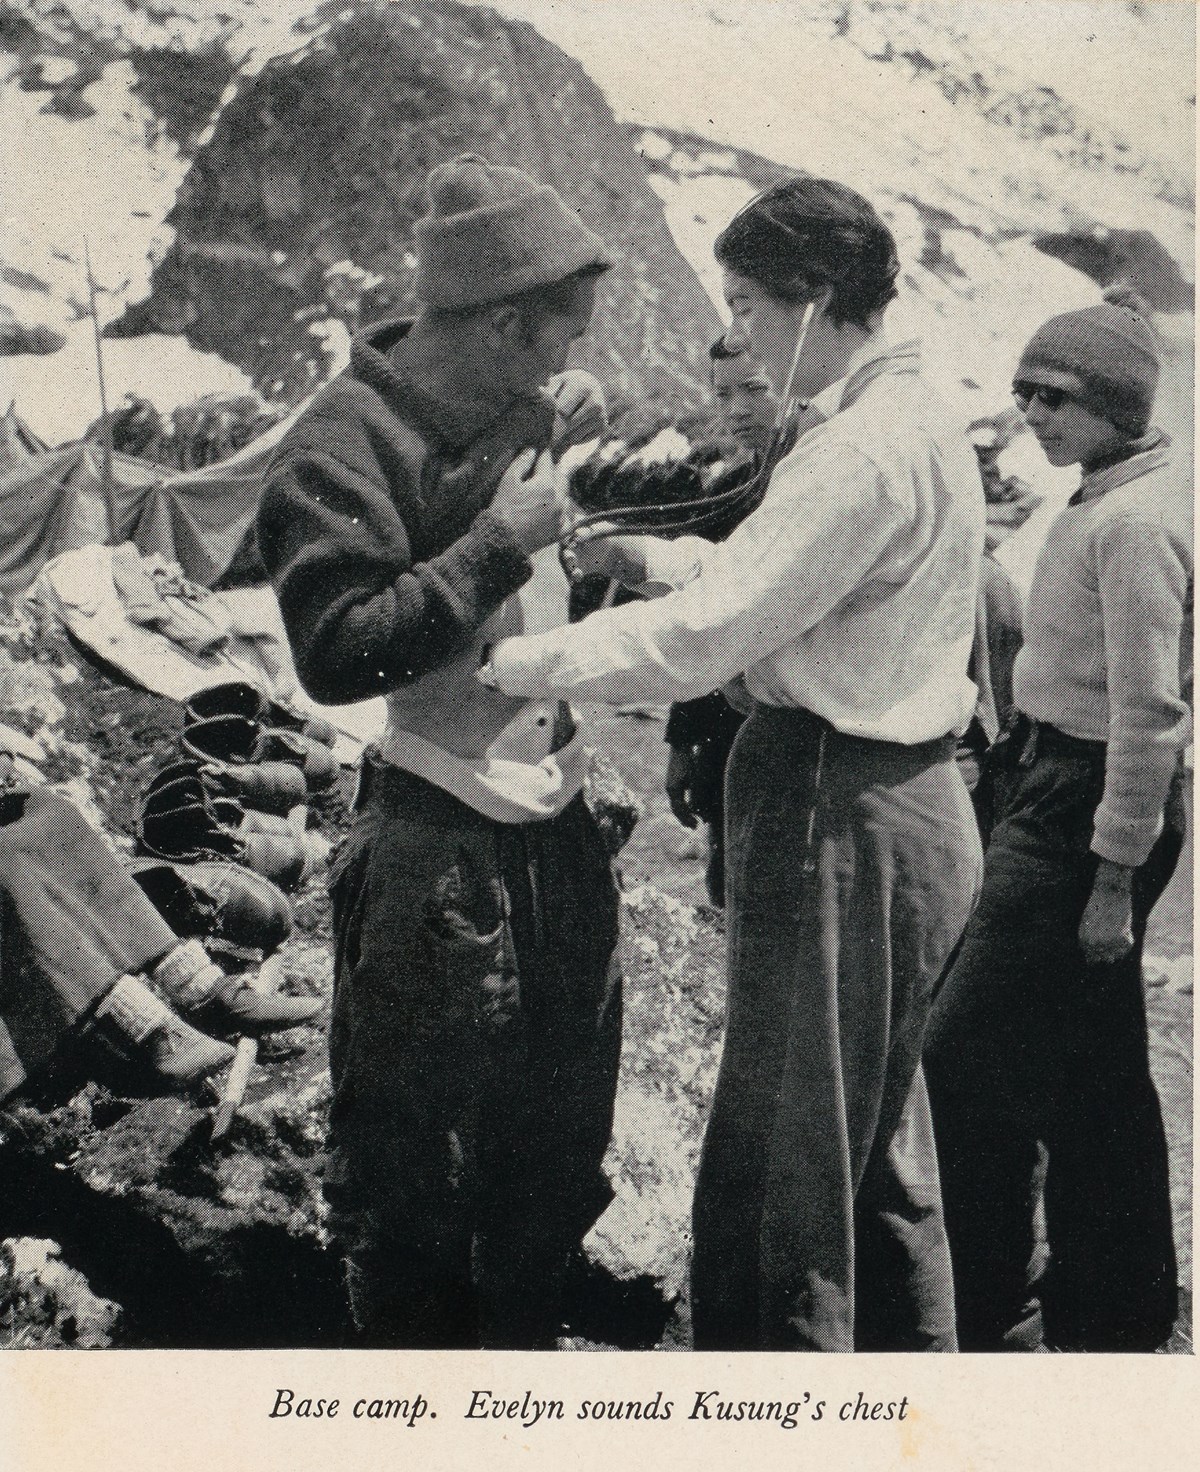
(1025,392)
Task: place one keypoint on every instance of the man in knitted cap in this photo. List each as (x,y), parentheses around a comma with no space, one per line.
(409,518)
(1103,358)
(1038,1037)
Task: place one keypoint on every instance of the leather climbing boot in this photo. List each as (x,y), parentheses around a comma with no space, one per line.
(240,741)
(227,1004)
(221,902)
(314,759)
(141,1027)
(232,698)
(265,787)
(201,832)
(189,791)
(240,698)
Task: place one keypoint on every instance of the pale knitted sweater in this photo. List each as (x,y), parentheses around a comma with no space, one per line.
(1105,653)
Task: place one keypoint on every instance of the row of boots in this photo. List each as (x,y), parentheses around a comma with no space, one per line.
(219,843)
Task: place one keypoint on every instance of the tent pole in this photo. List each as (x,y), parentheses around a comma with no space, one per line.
(106,445)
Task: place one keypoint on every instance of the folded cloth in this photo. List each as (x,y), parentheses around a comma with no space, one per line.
(78,588)
(71,922)
(156,594)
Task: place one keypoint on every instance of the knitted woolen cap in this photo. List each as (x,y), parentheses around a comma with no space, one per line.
(1111,350)
(492,232)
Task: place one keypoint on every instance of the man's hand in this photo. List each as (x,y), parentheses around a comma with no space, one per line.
(680,769)
(1106,930)
(593,549)
(529,500)
(580,411)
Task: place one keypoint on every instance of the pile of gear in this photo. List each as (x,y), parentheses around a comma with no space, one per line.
(203,433)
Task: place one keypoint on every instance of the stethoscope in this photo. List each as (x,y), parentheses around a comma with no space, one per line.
(693,515)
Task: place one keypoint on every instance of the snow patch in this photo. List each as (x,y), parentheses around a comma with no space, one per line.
(58,396)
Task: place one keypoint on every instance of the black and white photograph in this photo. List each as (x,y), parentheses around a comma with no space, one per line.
(596,753)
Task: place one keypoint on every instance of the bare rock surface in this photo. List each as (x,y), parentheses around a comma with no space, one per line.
(299,209)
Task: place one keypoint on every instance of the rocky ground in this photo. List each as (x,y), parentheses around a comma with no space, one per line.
(245,178)
(126,1225)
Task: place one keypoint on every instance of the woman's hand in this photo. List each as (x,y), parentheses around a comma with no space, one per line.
(1106,930)
(514,666)
(591,549)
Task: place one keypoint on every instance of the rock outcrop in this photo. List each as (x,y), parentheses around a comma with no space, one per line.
(297,214)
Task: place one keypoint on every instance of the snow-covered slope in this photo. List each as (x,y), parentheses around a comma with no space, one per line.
(976,125)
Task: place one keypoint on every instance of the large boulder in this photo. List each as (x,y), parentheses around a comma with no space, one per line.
(298,213)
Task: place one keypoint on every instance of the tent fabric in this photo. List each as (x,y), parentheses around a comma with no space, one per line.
(52,501)
(18,443)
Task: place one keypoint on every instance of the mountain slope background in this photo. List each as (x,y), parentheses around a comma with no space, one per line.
(246,177)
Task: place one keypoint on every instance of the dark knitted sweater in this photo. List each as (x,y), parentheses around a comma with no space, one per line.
(374,529)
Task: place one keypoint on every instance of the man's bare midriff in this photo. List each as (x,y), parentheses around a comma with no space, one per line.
(451,709)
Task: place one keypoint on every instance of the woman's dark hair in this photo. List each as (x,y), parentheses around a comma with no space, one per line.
(803,236)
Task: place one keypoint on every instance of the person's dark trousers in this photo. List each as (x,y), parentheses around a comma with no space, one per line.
(817,1216)
(1029,1048)
(708,795)
(971,756)
(706,728)
(71,921)
(473,1052)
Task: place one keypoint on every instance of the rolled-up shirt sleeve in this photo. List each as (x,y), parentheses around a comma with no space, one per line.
(825,521)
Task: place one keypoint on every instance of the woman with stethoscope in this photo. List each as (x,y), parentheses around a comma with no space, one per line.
(846,601)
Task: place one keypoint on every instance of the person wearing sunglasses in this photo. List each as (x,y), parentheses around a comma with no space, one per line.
(847,598)
(1037,1041)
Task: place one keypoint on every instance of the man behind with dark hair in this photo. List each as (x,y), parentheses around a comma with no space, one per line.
(701,732)
(408,517)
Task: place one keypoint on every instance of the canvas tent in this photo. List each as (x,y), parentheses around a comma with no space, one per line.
(52,501)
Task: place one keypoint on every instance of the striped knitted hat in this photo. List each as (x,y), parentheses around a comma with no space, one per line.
(492,233)
(1110,349)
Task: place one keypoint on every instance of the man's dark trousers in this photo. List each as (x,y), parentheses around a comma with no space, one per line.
(1028,1045)
(818,1221)
(474,1052)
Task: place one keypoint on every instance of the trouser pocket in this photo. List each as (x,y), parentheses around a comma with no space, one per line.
(465,916)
